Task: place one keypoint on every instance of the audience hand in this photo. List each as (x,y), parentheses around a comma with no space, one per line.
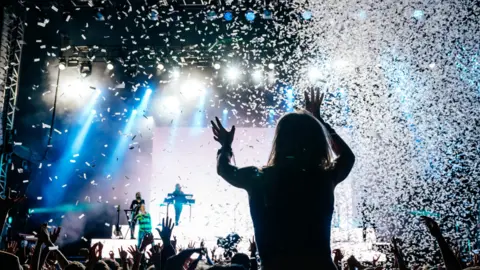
(313,103)
(221,135)
(147,240)
(54,234)
(95,254)
(123,254)
(432,226)
(111,255)
(44,236)
(338,256)
(253,247)
(12,247)
(191,244)
(178,261)
(167,228)
(135,252)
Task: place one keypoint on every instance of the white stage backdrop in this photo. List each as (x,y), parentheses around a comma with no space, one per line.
(188,156)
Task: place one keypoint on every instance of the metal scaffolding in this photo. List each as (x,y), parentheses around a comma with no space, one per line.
(13,29)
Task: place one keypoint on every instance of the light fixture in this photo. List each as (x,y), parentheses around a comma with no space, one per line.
(307,15)
(233,73)
(86,68)
(250,16)
(267,14)
(217,66)
(160,66)
(62,65)
(271,66)
(257,75)
(228,16)
(110,66)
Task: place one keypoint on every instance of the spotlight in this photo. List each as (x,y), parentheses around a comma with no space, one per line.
(153,15)
(134,112)
(62,65)
(250,16)
(257,75)
(149,92)
(217,66)
(418,14)
(211,15)
(94,112)
(228,16)
(233,73)
(86,68)
(314,74)
(176,74)
(160,66)
(110,66)
(100,16)
(192,89)
(225,111)
(271,66)
(171,104)
(267,14)
(307,15)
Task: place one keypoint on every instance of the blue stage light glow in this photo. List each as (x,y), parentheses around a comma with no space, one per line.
(267,14)
(307,15)
(225,111)
(94,112)
(250,16)
(228,16)
(418,14)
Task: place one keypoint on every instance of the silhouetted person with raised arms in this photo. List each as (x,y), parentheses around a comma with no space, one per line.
(292,198)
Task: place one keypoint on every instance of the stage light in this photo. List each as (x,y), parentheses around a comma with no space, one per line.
(272,112)
(233,73)
(250,16)
(94,112)
(228,16)
(110,66)
(160,66)
(153,15)
(267,14)
(314,74)
(134,112)
(307,15)
(271,66)
(192,89)
(100,16)
(171,104)
(211,15)
(62,65)
(217,66)
(175,74)
(86,68)
(257,75)
(225,111)
(148,92)
(418,14)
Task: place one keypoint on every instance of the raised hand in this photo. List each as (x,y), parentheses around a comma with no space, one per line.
(338,255)
(12,247)
(432,226)
(375,260)
(123,254)
(95,254)
(191,244)
(221,135)
(313,102)
(167,228)
(133,250)
(253,247)
(147,240)
(44,236)
(54,234)
(179,260)
(111,255)
(213,252)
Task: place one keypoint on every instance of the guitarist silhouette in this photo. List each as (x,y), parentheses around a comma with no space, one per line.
(135,207)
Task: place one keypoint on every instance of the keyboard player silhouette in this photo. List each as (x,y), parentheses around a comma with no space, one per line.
(178,198)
